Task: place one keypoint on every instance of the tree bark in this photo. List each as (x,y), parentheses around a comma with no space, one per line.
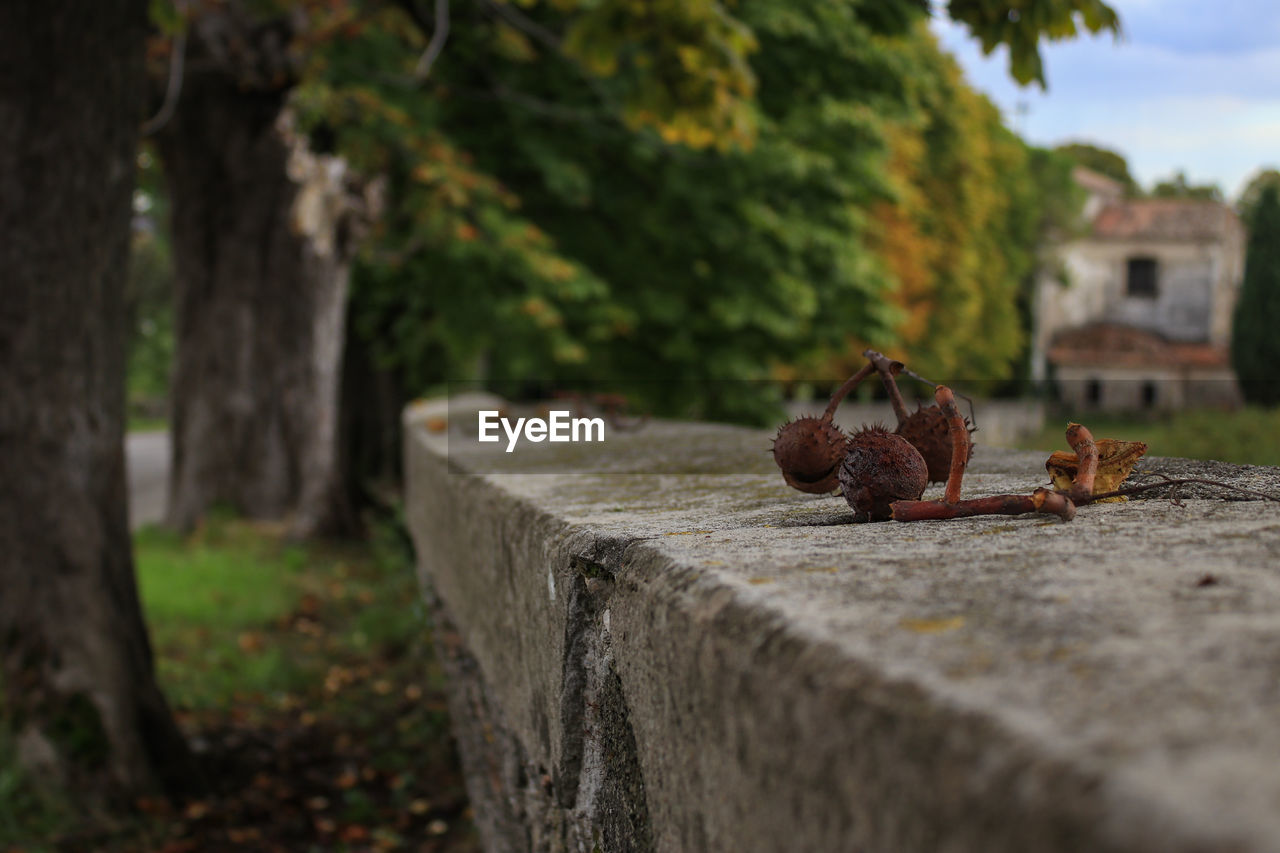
(263,238)
(78,678)
(373,401)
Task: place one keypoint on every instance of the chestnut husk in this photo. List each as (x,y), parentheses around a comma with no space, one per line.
(926,430)
(809,451)
(879,468)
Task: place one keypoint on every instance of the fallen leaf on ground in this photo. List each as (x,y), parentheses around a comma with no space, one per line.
(250,642)
(354,832)
(196,810)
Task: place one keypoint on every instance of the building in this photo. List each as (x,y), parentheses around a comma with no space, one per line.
(1138,314)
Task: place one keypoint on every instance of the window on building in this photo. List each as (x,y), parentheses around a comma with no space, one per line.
(1141,281)
(1149,395)
(1093,392)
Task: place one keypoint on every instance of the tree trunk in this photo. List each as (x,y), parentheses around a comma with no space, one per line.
(373,401)
(78,677)
(262,237)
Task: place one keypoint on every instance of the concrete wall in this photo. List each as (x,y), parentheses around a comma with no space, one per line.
(653,644)
(1124,389)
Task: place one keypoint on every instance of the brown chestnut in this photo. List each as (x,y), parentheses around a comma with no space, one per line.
(809,451)
(879,468)
(926,430)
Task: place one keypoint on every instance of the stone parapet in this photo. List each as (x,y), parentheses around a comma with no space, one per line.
(665,648)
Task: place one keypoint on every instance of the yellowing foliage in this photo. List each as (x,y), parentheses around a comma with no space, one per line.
(952,236)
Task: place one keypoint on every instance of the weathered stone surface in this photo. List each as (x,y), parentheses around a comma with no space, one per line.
(656,645)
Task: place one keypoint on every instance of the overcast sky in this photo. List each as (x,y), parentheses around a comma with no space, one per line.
(1193,85)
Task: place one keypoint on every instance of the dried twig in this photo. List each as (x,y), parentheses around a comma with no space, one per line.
(843,391)
(973,415)
(951,506)
(1169,481)
(888,369)
(1041,500)
(960,444)
(1081,441)
(522,22)
(173,89)
(434,47)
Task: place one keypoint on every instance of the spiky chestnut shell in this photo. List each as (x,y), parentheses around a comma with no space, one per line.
(926,430)
(879,468)
(809,450)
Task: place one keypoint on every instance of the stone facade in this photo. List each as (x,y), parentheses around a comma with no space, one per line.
(1139,314)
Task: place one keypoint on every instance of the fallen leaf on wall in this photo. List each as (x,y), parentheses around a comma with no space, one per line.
(1116,459)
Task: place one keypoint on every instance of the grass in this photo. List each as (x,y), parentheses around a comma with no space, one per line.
(27,809)
(147,423)
(305,680)
(1247,436)
(207,600)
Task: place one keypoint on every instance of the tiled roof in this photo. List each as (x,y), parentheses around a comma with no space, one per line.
(1164,219)
(1096,182)
(1116,345)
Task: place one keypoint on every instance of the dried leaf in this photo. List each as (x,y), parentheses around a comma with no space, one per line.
(933,626)
(153,805)
(353,833)
(180,846)
(1116,459)
(250,642)
(196,809)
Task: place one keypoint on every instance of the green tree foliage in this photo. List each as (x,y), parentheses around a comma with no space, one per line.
(1060,199)
(1179,187)
(548,235)
(558,219)
(149,295)
(1021,25)
(455,269)
(971,205)
(727,264)
(1104,161)
(1249,198)
(618,191)
(1255,347)
(677,65)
